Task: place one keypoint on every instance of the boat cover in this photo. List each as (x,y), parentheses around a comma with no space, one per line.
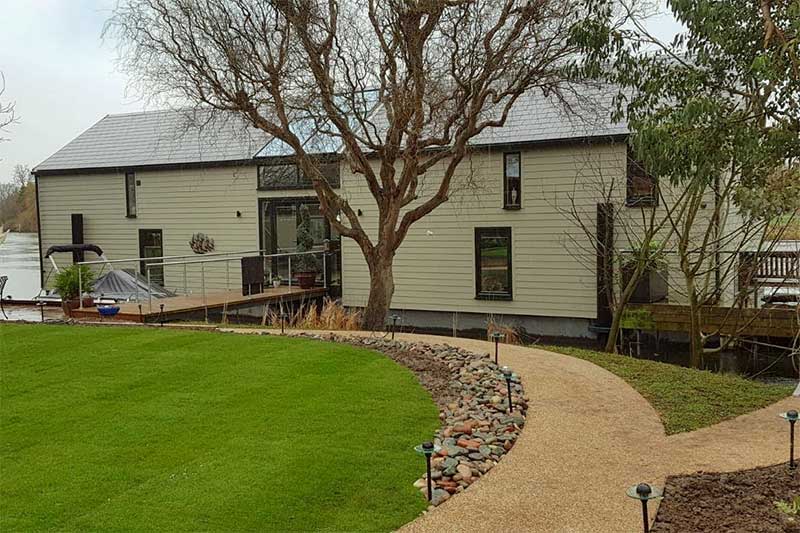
(123,285)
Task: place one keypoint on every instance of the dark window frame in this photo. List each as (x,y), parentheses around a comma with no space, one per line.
(130,213)
(143,262)
(300,183)
(506,192)
(503,231)
(635,170)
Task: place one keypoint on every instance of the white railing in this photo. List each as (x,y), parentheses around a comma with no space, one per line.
(187,261)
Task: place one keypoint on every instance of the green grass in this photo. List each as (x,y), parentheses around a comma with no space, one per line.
(172,430)
(685,398)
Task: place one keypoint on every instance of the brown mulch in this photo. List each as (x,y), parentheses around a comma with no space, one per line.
(727,502)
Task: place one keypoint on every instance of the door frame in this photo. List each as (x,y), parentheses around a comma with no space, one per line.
(143,262)
(272,203)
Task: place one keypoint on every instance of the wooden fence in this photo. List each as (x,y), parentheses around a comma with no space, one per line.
(764,322)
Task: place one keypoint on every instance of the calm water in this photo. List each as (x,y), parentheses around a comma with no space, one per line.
(19,260)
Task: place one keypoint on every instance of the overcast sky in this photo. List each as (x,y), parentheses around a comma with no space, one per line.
(63,76)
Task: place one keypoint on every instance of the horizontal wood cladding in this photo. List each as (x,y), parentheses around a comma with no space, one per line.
(434,268)
(766,322)
(179,202)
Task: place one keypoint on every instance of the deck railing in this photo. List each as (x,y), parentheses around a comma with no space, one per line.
(187,261)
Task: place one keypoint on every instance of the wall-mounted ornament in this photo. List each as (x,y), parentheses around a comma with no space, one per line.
(201,243)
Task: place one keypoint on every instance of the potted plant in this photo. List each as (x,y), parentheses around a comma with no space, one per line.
(276,281)
(652,285)
(68,287)
(306,265)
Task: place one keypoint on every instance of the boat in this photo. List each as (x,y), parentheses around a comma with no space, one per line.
(112,287)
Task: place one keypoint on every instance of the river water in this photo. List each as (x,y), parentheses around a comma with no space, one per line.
(19,260)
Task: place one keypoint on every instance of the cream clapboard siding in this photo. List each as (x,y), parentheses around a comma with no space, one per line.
(179,202)
(435,267)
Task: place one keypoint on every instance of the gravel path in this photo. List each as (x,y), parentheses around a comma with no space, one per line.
(587,438)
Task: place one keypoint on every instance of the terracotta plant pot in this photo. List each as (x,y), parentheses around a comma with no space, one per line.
(69,305)
(306,280)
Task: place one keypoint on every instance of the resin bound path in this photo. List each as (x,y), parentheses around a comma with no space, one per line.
(587,438)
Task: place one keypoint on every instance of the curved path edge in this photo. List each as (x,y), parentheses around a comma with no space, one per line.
(588,436)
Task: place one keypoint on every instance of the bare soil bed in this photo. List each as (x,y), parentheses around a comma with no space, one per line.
(742,501)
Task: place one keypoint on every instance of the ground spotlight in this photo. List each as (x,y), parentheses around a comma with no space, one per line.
(792,417)
(497,337)
(644,493)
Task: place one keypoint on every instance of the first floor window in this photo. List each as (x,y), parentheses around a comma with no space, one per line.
(493,263)
(642,189)
(130,195)
(512,180)
(289,176)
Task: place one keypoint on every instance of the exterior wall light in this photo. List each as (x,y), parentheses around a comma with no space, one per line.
(428,449)
(508,375)
(792,417)
(497,337)
(394,319)
(644,493)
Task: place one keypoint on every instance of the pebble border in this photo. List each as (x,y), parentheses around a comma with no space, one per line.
(477,429)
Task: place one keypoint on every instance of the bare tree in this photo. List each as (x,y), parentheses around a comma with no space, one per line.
(402,85)
(7,114)
(635,238)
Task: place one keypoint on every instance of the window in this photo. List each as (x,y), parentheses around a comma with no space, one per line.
(512,181)
(151,245)
(130,195)
(288,176)
(642,188)
(493,263)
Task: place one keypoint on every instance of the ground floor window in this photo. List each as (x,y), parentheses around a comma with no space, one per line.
(493,263)
(151,244)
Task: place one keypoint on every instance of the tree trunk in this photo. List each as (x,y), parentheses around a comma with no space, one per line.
(381,289)
(619,310)
(695,329)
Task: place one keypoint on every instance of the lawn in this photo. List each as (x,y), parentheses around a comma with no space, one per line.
(685,398)
(114,428)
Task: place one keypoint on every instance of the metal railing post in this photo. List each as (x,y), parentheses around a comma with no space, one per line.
(203,287)
(290,271)
(149,290)
(136,275)
(185,282)
(203,281)
(325,270)
(80,288)
(227,275)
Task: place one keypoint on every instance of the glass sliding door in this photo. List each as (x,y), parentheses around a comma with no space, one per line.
(279,220)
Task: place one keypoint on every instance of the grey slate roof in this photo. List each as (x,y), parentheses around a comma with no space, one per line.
(584,112)
(581,112)
(158,138)
(181,137)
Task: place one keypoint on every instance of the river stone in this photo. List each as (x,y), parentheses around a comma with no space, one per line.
(450,463)
(439,496)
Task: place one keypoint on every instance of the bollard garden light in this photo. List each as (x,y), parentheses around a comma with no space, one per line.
(394,319)
(283,319)
(161,315)
(792,417)
(497,337)
(140,314)
(40,305)
(428,449)
(644,493)
(508,375)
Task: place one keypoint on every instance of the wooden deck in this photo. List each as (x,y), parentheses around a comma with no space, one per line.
(764,322)
(178,306)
